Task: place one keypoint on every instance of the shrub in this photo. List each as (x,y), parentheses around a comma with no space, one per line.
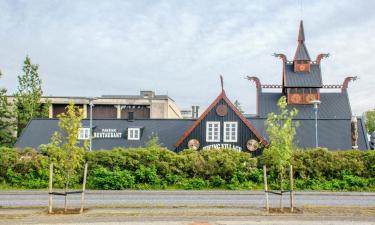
(146,175)
(194,183)
(217,182)
(103,178)
(159,168)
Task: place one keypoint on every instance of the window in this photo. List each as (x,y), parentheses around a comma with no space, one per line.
(83,133)
(230,131)
(134,134)
(213,131)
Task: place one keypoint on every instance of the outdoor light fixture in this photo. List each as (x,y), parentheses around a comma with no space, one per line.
(91,105)
(316,104)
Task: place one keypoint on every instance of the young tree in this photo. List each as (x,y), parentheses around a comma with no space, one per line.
(64,150)
(370,121)
(6,120)
(28,96)
(153,141)
(281,131)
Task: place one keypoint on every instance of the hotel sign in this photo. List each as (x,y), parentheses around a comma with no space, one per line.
(108,133)
(221,146)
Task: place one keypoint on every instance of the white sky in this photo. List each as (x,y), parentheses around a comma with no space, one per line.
(179,48)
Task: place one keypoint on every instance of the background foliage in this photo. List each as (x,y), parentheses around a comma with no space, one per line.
(7,122)
(28,95)
(370,121)
(159,168)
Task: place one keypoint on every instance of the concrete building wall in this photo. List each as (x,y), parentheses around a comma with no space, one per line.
(146,105)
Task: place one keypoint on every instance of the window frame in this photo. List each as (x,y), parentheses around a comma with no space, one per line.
(84,133)
(134,137)
(218,131)
(230,131)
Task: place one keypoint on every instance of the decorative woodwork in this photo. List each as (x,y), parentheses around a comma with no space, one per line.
(302,98)
(310,97)
(295,98)
(252,145)
(221,110)
(193,144)
(301,66)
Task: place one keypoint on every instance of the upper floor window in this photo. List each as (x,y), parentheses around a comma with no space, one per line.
(134,134)
(83,133)
(213,131)
(230,131)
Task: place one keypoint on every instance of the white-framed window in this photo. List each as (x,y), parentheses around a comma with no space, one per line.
(134,133)
(83,133)
(230,131)
(213,131)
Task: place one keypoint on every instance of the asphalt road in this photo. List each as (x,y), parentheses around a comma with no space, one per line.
(16,199)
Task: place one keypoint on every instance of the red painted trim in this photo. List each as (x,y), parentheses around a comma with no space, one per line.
(213,104)
(259,90)
(245,120)
(196,123)
(345,84)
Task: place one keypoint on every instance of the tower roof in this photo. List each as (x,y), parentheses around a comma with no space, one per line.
(301,52)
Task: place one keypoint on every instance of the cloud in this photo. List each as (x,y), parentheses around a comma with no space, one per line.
(90,48)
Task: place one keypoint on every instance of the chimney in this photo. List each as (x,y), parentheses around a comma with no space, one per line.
(196,112)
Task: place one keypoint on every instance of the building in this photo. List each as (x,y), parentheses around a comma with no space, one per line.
(302,83)
(146,105)
(222,125)
(190,113)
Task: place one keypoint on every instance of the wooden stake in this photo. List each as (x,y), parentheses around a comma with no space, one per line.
(83,188)
(265,187)
(66,195)
(50,188)
(291,189)
(281,192)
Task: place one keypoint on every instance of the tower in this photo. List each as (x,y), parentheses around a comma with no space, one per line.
(302,78)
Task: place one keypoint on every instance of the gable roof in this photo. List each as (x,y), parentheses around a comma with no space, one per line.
(301,52)
(40,131)
(333,106)
(302,79)
(334,134)
(210,108)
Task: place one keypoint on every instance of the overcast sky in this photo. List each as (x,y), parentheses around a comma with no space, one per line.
(179,48)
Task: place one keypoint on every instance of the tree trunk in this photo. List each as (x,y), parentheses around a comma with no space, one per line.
(66,196)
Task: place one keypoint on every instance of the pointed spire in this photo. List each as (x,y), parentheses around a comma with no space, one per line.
(301,53)
(301,33)
(222,83)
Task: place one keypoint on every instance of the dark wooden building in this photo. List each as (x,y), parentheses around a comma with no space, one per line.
(223,126)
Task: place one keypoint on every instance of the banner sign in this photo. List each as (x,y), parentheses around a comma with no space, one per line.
(108,133)
(221,146)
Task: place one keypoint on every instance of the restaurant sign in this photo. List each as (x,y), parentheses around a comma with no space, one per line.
(108,133)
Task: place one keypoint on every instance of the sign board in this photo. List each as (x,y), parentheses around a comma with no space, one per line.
(221,146)
(108,133)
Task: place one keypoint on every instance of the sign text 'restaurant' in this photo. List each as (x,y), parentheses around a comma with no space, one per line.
(108,133)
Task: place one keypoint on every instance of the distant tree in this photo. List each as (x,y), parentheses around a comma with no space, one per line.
(281,131)
(7,123)
(370,121)
(237,104)
(28,96)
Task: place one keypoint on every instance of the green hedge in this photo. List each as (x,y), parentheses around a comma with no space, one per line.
(159,168)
